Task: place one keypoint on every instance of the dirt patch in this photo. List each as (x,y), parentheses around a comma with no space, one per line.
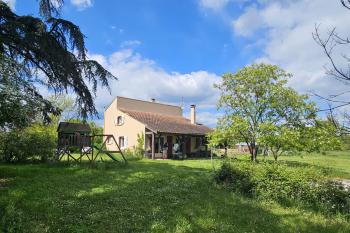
(4,182)
(345,183)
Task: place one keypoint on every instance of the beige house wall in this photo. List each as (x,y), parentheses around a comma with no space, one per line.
(129,129)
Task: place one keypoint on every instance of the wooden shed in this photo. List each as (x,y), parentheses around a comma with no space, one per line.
(74,134)
(71,128)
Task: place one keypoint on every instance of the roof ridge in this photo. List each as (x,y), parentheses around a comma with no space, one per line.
(172,105)
(155,113)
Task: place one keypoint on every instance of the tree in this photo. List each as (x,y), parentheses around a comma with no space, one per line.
(221,136)
(69,110)
(321,136)
(279,139)
(339,67)
(49,51)
(20,105)
(256,97)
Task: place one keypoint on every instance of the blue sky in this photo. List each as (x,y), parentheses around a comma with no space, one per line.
(178,35)
(175,50)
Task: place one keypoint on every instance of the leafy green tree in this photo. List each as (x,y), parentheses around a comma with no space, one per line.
(321,136)
(20,104)
(279,138)
(221,136)
(255,98)
(69,110)
(49,51)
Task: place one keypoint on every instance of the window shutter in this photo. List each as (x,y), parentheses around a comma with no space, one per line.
(123,118)
(116,121)
(126,141)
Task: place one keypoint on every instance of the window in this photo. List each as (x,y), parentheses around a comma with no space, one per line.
(121,142)
(119,120)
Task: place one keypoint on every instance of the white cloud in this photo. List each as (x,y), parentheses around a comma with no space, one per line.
(248,22)
(82,4)
(210,119)
(142,78)
(286,27)
(130,43)
(213,4)
(11,3)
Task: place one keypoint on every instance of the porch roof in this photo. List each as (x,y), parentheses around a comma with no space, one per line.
(161,123)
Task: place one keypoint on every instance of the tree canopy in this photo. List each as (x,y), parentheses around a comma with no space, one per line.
(258,104)
(47,51)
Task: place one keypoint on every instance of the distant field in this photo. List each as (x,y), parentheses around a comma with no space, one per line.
(336,162)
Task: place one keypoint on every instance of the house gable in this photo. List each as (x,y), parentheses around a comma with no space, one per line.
(146,106)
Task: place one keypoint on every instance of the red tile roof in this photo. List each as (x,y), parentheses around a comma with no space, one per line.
(162,123)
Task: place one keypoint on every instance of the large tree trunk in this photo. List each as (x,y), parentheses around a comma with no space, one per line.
(253,152)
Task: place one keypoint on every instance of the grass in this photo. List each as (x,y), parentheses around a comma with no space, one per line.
(336,163)
(144,196)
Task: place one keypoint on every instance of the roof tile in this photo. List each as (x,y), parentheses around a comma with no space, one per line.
(167,123)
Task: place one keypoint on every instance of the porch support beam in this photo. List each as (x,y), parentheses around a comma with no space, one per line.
(153,144)
(184,145)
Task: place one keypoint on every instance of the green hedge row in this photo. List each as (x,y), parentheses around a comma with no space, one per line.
(286,185)
(37,142)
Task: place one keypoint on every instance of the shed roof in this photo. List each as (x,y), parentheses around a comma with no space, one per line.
(69,127)
(162,123)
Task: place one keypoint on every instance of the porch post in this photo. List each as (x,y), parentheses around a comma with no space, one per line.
(153,145)
(184,145)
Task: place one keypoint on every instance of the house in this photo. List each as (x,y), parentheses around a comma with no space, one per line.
(242,147)
(167,134)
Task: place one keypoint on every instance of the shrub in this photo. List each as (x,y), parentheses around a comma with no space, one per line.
(285,185)
(140,147)
(35,142)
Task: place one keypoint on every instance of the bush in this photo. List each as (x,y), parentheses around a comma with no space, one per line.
(140,147)
(35,142)
(285,185)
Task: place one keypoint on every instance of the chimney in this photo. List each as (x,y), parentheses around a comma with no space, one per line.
(153,100)
(193,114)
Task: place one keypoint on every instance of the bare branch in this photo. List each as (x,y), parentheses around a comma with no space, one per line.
(328,45)
(345,3)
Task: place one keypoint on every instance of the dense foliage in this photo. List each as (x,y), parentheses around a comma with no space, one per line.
(285,185)
(45,51)
(270,117)
(37,142)
(257,103)
(20,103)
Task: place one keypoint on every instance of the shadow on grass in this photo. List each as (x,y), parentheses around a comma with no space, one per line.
(144,196)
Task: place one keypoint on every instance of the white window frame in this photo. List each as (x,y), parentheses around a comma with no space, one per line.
(117,122)
(119,140)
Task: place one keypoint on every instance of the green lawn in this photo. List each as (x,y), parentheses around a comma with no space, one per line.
(337,163)
(144,196)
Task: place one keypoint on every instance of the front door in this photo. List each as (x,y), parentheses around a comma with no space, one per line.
(170,146)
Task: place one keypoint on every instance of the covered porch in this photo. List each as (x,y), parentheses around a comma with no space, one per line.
(163,145)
